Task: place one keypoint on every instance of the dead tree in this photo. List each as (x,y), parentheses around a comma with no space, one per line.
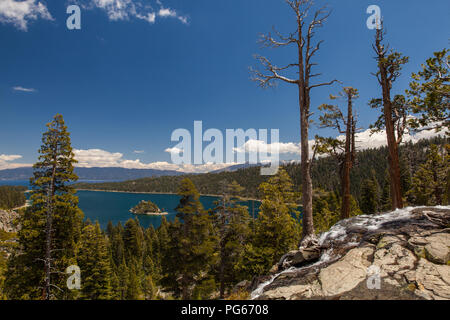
(303,39)
(344,151)
(389,66)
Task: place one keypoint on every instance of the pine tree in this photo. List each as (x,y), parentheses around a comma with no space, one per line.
(192,244)
(430,93)
(326,214)
(343,151)
(427,186)
(232,224)
(51,227)
(133,288)
(394,111)
(93,260)
(149,288)
(369,195)
(276,229)
(385,199)
(123,277)
(133,239)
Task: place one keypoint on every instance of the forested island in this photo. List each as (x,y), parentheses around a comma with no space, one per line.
(147,208)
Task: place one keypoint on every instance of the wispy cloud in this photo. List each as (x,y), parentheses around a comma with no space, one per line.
(22,89)
(101,158)
(6,161)
(138,151)
(124,10)
(20,13)
(174,150)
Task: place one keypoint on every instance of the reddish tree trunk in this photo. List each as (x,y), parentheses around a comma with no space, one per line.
(394,164)
(349,137)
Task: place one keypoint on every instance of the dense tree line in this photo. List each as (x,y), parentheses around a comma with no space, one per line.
(12,196)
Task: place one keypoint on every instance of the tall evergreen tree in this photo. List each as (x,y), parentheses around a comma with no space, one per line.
(232,223)
(276,228)
(385,198)
(133,238)
(428,186)
(51,227)
(394,111)
(429,93)
(192,244)
(344,151)
(94,262)
(370,195)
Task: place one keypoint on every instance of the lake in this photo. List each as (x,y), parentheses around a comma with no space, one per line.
(115,206)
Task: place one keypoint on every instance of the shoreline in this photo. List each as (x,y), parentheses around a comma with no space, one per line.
(155,214)
(168,193)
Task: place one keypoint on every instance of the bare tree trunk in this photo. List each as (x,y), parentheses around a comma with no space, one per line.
(48,241)
(394,165)
(349,137)
(307,213)
(307,48)
(48,231)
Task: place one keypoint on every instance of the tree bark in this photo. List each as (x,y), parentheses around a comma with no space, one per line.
(349,137)
(394,165)
(307,214)
(304,101)
(48,230)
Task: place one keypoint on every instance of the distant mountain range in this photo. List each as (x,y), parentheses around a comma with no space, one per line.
(94,174)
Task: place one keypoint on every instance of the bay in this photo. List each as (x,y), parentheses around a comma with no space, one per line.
(103,206)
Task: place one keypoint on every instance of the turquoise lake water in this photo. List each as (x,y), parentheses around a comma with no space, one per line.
(115,206)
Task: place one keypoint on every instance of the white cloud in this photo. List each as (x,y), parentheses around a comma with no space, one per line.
(5,161)
(19,88)
(167,13)
(138,151)
(150,17)
(133,9)
(174,150)
(97,158)
(101,158)
(261,146)
(364,140)
(20,13)
(12,157)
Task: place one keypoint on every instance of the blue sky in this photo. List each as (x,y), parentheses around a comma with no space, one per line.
(124,83)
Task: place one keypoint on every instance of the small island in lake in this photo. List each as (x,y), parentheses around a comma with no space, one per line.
(147,208)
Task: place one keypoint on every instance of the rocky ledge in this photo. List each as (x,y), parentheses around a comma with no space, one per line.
(403,254)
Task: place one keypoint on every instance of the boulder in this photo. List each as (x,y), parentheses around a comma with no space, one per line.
(298,258)
(398,255)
